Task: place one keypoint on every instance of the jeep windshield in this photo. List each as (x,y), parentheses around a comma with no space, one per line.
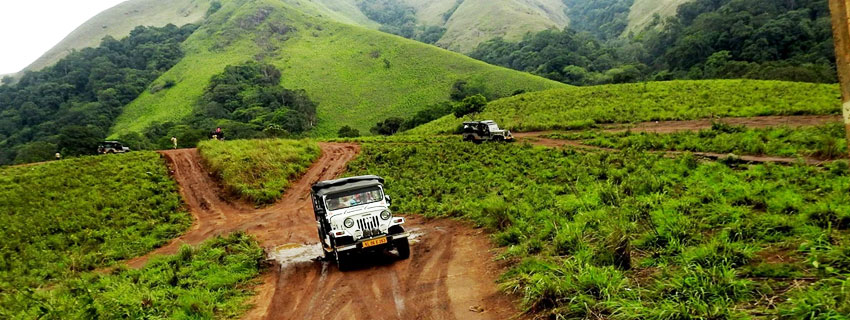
(353,198)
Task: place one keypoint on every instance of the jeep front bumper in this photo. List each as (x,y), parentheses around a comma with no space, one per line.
(359,244)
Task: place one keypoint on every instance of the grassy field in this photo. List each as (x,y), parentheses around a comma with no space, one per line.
(258,170)
(639,236)
(357,75)
(212,281)
(823,142)
(584,107)
(63,218)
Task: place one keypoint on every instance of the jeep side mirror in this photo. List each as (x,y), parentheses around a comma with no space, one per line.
(389,200)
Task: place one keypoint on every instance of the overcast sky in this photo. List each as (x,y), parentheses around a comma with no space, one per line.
(28,28)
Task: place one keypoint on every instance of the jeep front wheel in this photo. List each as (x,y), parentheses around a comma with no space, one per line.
(343,262)
(403,247)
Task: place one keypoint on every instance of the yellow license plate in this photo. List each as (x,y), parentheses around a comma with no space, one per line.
(374,242)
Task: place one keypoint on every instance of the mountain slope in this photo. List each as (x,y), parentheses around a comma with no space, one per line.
(644,12)
(358,76)
(476,21)
(118,21)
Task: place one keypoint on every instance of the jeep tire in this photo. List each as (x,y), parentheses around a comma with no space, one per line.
(403,248)
(343,262)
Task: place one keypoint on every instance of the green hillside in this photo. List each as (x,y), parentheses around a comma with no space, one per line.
(476,21)
(674,100)
(356,75)
(644,12)
(118,21)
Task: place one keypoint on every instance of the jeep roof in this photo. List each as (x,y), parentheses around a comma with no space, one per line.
(346,184)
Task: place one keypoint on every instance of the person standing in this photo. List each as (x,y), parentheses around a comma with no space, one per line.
(174,141)
(58,156)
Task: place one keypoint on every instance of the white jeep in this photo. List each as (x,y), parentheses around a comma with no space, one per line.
(353,217)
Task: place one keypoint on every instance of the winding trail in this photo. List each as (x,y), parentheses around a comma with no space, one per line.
(539,137)
(451,273)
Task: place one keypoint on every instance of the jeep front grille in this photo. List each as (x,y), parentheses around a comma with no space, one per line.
(369,226)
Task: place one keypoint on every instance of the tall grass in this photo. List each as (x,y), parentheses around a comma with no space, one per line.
(632,235)
(64,218)
(209,282)
(824,141)
(571,108)
(258,170)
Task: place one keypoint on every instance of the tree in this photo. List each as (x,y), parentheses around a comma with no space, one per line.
(348,132)
(387,127)
(35,152)
(80,140)
(470,105)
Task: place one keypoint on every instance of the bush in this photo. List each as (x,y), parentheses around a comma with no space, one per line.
(348,132)
(258,170)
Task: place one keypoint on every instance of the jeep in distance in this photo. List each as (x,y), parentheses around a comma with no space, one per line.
(112,147)
(353,217)
(488,130)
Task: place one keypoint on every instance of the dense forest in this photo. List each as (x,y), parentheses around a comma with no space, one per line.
(246,101)
(706,39)
(605,19)
(400,19)
(69,107)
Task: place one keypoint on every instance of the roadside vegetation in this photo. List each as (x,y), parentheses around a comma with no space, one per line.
(212,281)
(581,108)
(258,170)
(633,235)
(64,218)
(822,142)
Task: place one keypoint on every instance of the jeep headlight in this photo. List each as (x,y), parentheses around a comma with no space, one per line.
(386,215)
(348,222)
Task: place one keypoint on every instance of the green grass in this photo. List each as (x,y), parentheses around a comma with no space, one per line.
(357,75)
(120,20)
(584,107)
(823,142)
(212,281)
(258,170)
(637,236)
(67,217)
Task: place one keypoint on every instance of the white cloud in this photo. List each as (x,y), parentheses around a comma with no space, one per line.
(28,28)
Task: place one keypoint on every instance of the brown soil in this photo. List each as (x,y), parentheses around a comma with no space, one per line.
(450,274)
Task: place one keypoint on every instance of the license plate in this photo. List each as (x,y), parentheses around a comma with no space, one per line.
(374,242)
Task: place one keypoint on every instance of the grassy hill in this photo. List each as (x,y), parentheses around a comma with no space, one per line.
(644,12)
(358,76)
(674,100)
(476,21)
(120,20)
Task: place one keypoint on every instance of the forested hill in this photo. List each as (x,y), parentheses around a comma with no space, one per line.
(706,39)
(70,105)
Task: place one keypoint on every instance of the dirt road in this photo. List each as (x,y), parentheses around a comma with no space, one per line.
(450,274)
(538,138)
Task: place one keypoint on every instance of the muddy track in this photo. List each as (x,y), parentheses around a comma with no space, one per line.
(451,273)
(538,138)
